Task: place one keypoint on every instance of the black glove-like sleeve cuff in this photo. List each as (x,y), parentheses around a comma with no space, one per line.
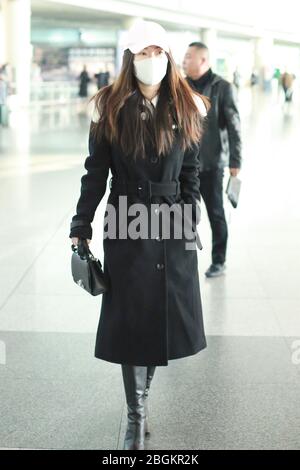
(81,229)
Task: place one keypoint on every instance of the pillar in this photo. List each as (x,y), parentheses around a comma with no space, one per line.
(210,38)
(16,20)
(2,37)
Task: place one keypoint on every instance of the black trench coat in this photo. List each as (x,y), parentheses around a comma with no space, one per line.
(152,312)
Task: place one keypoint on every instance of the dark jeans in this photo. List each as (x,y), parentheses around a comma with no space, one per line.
(211,189)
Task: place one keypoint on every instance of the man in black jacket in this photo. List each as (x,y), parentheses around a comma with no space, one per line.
(220,146)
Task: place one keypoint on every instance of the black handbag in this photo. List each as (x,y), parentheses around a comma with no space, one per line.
(87,270)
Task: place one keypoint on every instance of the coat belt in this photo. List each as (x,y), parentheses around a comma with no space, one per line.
(145,188)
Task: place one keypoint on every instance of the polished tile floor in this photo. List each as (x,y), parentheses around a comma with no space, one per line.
(241,392)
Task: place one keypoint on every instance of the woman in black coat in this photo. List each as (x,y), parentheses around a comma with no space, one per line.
(145,129)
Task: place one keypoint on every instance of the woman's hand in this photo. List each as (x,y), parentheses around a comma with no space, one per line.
(76,239)
(234,171)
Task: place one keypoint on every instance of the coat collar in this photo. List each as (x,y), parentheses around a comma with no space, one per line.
(146,101)
(154,100)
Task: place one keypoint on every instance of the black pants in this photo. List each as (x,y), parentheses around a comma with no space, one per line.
(211,189)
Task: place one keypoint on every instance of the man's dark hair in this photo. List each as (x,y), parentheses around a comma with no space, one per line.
(198,45)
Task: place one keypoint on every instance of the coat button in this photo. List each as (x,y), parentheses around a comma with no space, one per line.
(160,266)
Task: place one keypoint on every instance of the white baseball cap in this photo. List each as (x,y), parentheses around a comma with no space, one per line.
(146,33)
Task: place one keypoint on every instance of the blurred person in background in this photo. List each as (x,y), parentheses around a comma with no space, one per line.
(3,100)
(146,129)
(220,146)
(84,80)
(102,79)
(267,77)
(7,73)
(237,79)
(254,79)
(287,83)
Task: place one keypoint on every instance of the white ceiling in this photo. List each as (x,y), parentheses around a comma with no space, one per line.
(280,16)
(49,11)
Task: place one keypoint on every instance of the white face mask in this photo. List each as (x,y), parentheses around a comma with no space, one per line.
(152,70)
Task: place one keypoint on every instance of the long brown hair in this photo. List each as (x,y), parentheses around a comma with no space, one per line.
(175,103)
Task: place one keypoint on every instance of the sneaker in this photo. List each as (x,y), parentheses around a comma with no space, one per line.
(215,270)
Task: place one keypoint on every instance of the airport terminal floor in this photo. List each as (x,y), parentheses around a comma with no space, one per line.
(241,392)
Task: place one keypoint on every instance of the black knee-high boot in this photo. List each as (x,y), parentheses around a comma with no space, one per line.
(150,373)
(135,381)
